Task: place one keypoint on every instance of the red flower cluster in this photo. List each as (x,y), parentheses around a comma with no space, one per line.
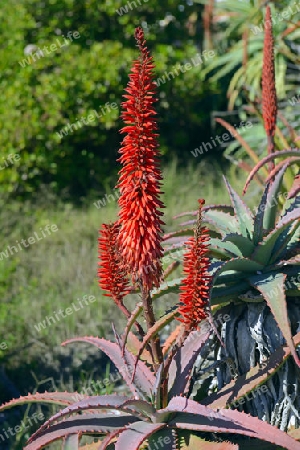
(112,277)
(269,99)
(195,286)
(139,179)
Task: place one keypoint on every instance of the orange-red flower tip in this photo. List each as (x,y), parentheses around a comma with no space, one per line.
(196,285)
(140,233)
(111,272)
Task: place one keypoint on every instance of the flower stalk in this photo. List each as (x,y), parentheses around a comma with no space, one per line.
(269,98)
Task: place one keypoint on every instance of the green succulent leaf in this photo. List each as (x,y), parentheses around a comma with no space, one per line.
(226,247)
(222,221)
(226,294)
(244,244)
(243,265)
(243,213)
(167,288)
(290,237)
(264,250)
(269,213)
(271,286)
(259,217)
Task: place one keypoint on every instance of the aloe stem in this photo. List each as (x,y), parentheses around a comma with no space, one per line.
(150,321)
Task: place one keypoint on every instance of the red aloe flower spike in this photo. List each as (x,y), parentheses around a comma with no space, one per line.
(195,286)
(269,99)
(111,273)
(140,233)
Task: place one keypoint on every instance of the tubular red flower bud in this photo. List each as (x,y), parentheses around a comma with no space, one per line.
(269,99)
(111,273)
(195,287)
(139,179)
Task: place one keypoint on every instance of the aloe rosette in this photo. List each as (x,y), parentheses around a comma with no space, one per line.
(255,279)
(128,423)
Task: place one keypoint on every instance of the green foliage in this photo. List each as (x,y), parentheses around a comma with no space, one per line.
(78,80)
(241,26)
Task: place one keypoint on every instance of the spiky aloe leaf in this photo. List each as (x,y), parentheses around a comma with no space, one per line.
(165,439)
(105,444)
(133,344)
(223,222)
(144,377)
(195,442)
(294,433)
(171,339)
(226,294)
(280,154)
(184,361)
(113,402)
(264,250)
(244,244)
(271,286)
(226,248)
(281,247)
(290,234)
(259,218)
(255,377)
(170,269)
(193,416)
(159,324)
(178,233)
(243,265)
(57,398)
(71,442)
(269,212)
(135,434)
(289,161)
(243,213)
(83,424)
(295,189)
(134,315)
(239,138)
(166,288)
(226,208)
(93,446)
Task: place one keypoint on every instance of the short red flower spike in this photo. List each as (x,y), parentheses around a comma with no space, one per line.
(196,285)
(269,99)
(139,179)
(112,277)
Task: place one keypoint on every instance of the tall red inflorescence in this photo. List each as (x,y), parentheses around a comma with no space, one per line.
(140,233)
(111,273)
(269,98)
(195,287)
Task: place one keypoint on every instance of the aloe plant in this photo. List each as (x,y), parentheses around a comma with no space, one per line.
(127,423)
(256,282)
(251,259)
